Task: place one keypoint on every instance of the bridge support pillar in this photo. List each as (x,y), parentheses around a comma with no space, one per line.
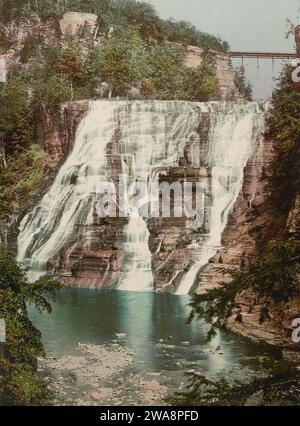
(297,40)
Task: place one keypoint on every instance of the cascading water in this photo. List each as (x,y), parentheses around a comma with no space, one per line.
(138,274)
(68,203)
(148,136)
(232,141)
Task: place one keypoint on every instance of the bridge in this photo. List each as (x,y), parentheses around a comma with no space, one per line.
(263,55)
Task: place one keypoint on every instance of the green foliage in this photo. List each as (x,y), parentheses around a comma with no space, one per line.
(136,55)
(15,115)
(167,71)
(20,384)
(30,48)
(203,85)
(141,15)
(159,70)
(280,388)
(5,43)
(245,88)
(21,180)
(187,34)
(51,92)
(71,63)
(123,62)
(271,274)
(284,130)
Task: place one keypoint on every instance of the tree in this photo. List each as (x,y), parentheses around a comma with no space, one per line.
(168,72)
(71,64)
(16,129)
(141,15)
(203,85)
(245,87)
(51,92)
(284,130)
(187,34)
(123,63)
(20,384)
(22,179)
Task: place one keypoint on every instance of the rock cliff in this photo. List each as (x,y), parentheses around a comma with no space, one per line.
(223,69)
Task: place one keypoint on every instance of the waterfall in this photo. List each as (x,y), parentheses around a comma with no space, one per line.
(146,136)
(138,274)
(232,142)
(67,205)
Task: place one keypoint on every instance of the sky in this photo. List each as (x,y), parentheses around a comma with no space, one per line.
(258,25)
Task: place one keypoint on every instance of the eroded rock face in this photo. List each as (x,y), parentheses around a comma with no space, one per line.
(3,69)
(56,133)
(293,223)
(223,69)
(297,39)
(73,22)
(18,31)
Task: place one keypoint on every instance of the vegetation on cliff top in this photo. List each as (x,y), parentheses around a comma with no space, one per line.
(119,13)
(31,167)
(19,382)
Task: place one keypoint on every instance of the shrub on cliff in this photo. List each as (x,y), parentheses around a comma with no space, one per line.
(168,72)
(16,130)
(187,34)
(122,62)
(244,87)
(273,273)
(21,180)
(202,83)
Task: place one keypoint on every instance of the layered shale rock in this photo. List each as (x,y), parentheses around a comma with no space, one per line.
(56,133)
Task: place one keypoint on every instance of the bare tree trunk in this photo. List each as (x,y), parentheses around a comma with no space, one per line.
(2,153)
(110,91)
(72,90)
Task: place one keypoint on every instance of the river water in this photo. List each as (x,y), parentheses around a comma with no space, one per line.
(127,348)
